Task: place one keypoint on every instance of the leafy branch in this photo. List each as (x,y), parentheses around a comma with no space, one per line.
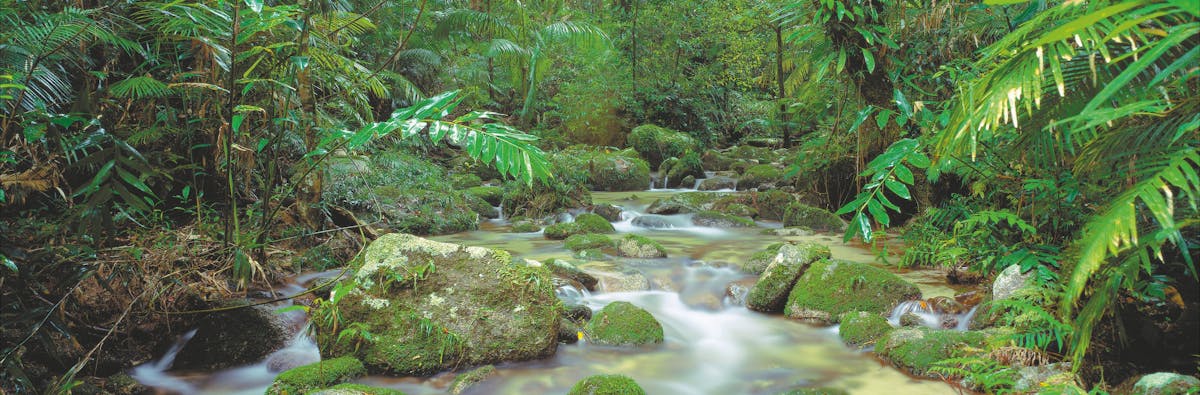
(888,172)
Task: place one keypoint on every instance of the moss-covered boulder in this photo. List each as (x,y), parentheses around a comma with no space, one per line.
(567,190)
(491,194)
(686,202)
(816,391)
(610,212)
(918,349)
(426,309)
(316,376)
(789,263)
(862,329)
(715,160)
(464,381)
(465,180)
(752,154)
(759,261)
(624,324)
(587,241)
(679,170)
(568,270)
(800,214)
(760,176)
(657,144)
(1166,383)
(403,192)
(607,170)
(637,246)
(717,183)
(769,205)
(612,277)
(607,384)
(355,389)
(524,225)
(717,219)
(583,224)
(831,287)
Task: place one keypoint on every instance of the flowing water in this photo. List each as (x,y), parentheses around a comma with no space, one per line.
(714,345)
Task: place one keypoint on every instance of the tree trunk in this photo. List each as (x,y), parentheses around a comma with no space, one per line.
(779,81)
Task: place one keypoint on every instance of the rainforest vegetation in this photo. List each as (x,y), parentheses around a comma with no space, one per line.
(157,156)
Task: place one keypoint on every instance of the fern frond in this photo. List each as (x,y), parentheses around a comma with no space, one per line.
(137,88)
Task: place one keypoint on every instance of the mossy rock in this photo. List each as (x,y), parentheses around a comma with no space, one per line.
(606,170)
(749,153)
(464,381)
(316,376)
(491,194)
(607,384)
(917,349)
(862,329)
(355,389)
(759,261)
(465,180)
(570,271)
(583,224)
(688,165)
(567,190)
(427,310)
(740,210)
(715,160)
(760,176)
(587,241)
(624,324)
(481,207)
(771,291)
(686,202)
(610,212)
(800,214)
(717,219)
(524,226)
(408,193)
(831,287)
(770,204)
(656,144)
(816,391)
(1166,383)
(637,246)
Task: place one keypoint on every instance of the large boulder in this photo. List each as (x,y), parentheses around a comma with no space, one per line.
(830,287)
(607,384)
(1166,383)
(717,183)
(862,329)
(771,290)
(609,170)
(1009,281)
(235,337)
(609,211)
(427,308)
(917,349)
(686,202)
(759,261)
(624,324)
(715,160)
(583,224)
(568,189)
(652,221)
(491,194)
(657,144)
(761,177)
(316,376)
(799,214)
(568,270)
(587,241)
(686,166)
(637,246)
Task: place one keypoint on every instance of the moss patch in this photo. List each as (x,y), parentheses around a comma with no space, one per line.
(355,389)
(608,170)
(316,376)
(637,246)
(492,195)
(607,384)
(758,176)
(624,324)
(587,241)
(759,261)
(687,165)
(918,349)
(467,380)
(862,329)
(717,219)
(657,144)
(584,223)
(799,214)
(405,192)
(829,288)
(771,291)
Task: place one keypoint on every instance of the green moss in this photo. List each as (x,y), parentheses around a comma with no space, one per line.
(318,375)
(584,223)
(656,144)
(492,195)
(637,246)
(524,226)
(715,161)
(607,384)
(799,214)
(771,290)
(748,153)
(718,219)
(588,241)
(464,181)
(918,349)
(687,202)
(624,324)
(758,176)
(829,288)
(740,210)
(568,189)
(355,389)
(568,270)
(861,329)
(606,170)
(467,380)
(687,165)
(759,261)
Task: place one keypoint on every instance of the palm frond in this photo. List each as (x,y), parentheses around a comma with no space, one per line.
(143,87)
(577,34)
(474,22)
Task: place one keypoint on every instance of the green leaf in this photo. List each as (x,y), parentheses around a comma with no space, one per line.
(4,259)
(904,174)
(869,59)
(902,103)
(877,212)
(237,122)
(898,188)
(841,61)
(256,5)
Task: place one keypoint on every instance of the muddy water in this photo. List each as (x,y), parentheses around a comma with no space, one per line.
(713,345)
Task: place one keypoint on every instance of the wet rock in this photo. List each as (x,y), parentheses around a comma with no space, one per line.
(792,231)
(428,310)
(525,226)
(830,287)
(678,171)
(615,279)
(568,331)
(1009,281)
(686,202)
(355,389)
(799,214)
(714,219)
(1166,383)
(613,171)
(235,337)
(316,376)
(587,241)
(1038,378)
(861,329)
(465,381)
(715,160)
(289,358)
(608,211)
(578,312)
(760,260)
(737,291)
(911,319)
(771,290)
(637,246)
(566,269)
(491,194)
(740,210)
(761,177)
(946,305)
(656,144)
(687,182)
(963,275)
(584,223)
(607,384)
(918,349)
(948,322)
(652,221)
(969,298)
(717,183)
(624,324)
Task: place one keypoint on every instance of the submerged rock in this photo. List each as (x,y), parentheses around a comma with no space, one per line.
(771,290)
(607,384)
(612,278)
(624,324)
(465,381)
(428,310)
(610,212)
(637,246)
(316,376)
(799,214)
(830,287)
(862,329)
(1166,383)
